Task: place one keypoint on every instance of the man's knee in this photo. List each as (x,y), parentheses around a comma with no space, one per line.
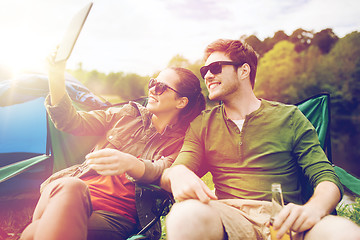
(194,208)
(194,217)
(334,227)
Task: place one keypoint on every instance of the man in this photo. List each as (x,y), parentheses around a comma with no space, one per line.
(247,144)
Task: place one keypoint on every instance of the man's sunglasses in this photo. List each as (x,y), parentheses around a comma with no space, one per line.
(160,87)
(216,67)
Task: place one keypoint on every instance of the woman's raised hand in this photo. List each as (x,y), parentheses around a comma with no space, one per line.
(56,74)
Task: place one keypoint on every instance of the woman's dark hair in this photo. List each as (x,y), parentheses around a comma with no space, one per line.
(189,86)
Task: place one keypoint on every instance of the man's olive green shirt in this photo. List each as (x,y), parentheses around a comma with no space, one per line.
(276,142)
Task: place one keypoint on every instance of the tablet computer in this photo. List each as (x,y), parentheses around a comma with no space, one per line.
(72,33)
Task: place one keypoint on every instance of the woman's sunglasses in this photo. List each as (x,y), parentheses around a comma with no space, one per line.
(216,67)
(160,87)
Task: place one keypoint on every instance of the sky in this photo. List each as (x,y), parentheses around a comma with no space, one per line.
(142,36)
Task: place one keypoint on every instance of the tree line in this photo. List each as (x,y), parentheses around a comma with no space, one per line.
(291,68)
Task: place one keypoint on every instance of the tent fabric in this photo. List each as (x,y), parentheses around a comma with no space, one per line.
(22,124)
(23,145)
(26,133)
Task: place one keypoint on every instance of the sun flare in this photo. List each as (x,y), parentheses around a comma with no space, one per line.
(23,51)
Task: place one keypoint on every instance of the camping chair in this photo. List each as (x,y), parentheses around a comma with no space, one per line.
(317,110)
(160,207)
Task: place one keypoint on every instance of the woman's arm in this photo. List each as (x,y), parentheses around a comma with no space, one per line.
(110,162)
(56,72)
(114,162)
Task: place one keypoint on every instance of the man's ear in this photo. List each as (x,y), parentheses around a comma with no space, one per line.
(244,71)
(182,102)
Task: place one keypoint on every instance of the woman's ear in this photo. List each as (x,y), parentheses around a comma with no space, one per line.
(182,102)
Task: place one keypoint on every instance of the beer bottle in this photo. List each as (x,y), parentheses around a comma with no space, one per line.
(277,204)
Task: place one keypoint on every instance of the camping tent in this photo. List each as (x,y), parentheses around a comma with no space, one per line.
(28,140)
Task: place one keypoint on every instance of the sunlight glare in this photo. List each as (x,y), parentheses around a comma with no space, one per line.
(23,52)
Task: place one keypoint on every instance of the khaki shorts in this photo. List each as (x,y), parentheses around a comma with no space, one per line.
(246,219)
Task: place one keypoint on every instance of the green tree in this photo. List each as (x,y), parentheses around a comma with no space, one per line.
(289,70)
(79,73)
(355,89)
(325,40)
(301,38)
(111,80)
(306,82)
(131,86)
(255,42)
(195,68)
(95,81)
(280,36)
(179,61)
(341,66)
(276,72)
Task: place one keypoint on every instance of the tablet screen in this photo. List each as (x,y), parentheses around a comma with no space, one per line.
(71,35)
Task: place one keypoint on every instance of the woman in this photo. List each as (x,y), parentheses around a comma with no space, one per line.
(99,198)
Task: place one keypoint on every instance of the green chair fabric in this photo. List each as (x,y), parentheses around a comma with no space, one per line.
(14,169)
(350,182)
(68,150)
(317,110)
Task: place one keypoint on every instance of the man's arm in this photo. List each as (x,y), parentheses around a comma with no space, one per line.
(300,218)
(185,184)
(180,178)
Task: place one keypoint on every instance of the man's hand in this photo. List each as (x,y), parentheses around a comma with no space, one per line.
(114,162)
(300,218)
(185,184)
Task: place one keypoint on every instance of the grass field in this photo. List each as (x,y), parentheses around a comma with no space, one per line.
(15,214)
(350,210)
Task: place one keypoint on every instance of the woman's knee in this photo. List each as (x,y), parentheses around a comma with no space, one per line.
(72,184)
(68,184)
(64,191)
(29,231)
